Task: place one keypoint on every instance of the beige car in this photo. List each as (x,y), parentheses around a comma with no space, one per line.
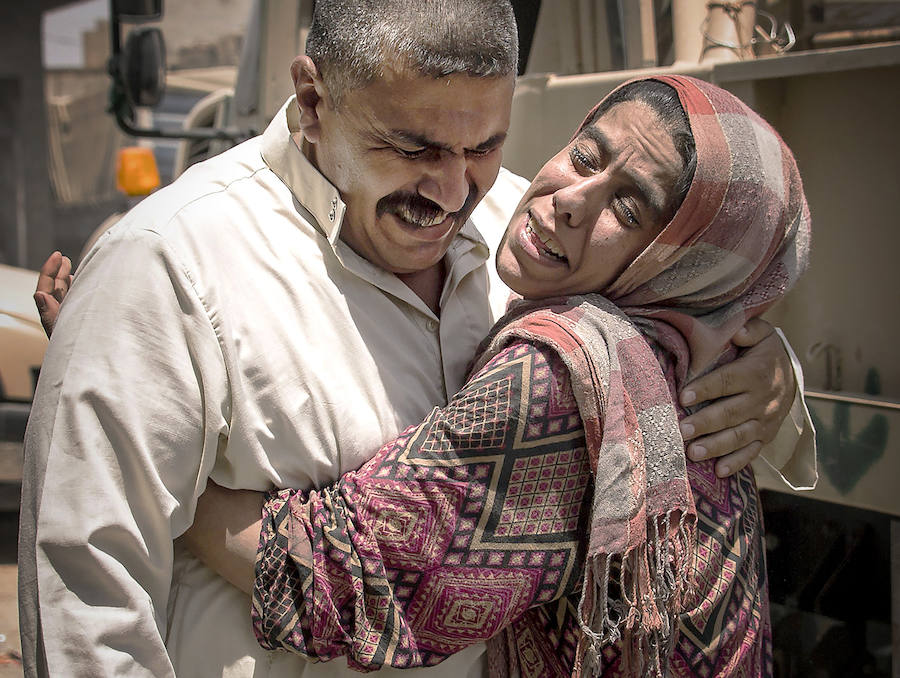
(22,345)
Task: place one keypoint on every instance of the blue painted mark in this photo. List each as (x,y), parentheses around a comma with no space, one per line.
(846,458)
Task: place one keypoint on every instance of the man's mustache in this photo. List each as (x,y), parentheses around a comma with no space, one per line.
(416,209)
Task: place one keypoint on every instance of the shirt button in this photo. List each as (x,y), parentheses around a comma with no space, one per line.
(432,325)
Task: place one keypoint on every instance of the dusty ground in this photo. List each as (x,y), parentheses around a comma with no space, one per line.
(10,648)
(10,474)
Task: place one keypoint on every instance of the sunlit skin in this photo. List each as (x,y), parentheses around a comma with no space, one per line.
(593,207)
(410,155)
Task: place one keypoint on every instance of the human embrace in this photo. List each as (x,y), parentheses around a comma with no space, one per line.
(316,295)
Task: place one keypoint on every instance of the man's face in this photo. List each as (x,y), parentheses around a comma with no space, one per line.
(411,157)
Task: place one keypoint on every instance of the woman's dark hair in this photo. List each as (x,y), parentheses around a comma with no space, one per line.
(663,99)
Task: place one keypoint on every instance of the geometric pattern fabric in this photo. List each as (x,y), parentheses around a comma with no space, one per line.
(447,536)
(452,531)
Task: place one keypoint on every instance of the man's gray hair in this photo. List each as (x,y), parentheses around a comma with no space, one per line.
(351,41)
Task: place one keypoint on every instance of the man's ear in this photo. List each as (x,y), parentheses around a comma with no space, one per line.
(310,89)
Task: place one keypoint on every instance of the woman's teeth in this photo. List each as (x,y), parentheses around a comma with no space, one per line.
(549,246)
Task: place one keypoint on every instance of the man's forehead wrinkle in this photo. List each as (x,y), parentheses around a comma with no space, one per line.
(418,139)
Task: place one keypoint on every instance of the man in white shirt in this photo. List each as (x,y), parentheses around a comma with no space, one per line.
(269,320)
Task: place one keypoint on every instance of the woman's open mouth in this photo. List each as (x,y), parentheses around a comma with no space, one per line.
(542,242)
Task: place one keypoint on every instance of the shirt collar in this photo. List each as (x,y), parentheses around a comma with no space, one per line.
(282,152)
(282,144)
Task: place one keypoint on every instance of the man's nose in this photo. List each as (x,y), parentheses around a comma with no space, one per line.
(578,201)
(446,182)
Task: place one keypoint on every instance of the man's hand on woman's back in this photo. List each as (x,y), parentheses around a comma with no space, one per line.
(746,401)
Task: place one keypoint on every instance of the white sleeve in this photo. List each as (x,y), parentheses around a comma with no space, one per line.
(125,424)
(791,457)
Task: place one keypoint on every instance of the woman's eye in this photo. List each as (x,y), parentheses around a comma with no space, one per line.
(582,161)
(625,212)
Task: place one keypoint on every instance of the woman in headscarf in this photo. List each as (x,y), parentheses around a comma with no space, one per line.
(548,507)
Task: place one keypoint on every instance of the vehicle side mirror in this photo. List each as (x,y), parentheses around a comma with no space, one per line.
(144,66)
(138,73)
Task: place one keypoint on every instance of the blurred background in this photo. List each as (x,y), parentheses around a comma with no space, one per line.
(75,153)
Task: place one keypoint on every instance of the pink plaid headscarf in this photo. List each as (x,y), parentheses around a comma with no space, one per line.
(738,242)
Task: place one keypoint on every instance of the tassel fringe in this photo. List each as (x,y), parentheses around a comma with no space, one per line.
(637,597)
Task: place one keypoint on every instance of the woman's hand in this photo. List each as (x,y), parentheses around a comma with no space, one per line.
(225,533)
(748,400)
(53,284)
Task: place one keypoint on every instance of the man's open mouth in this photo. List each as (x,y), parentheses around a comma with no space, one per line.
(419,218)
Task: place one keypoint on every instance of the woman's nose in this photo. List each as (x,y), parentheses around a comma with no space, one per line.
(581,198)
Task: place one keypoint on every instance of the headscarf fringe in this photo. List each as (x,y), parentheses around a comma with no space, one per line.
(637,596)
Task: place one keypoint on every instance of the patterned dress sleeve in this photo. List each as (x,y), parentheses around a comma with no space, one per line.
(449,534)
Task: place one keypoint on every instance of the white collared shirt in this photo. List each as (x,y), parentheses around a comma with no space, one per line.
(220,329)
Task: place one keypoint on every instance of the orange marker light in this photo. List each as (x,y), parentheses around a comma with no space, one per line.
(136,171)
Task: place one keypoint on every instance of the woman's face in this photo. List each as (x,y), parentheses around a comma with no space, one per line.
(593,207)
